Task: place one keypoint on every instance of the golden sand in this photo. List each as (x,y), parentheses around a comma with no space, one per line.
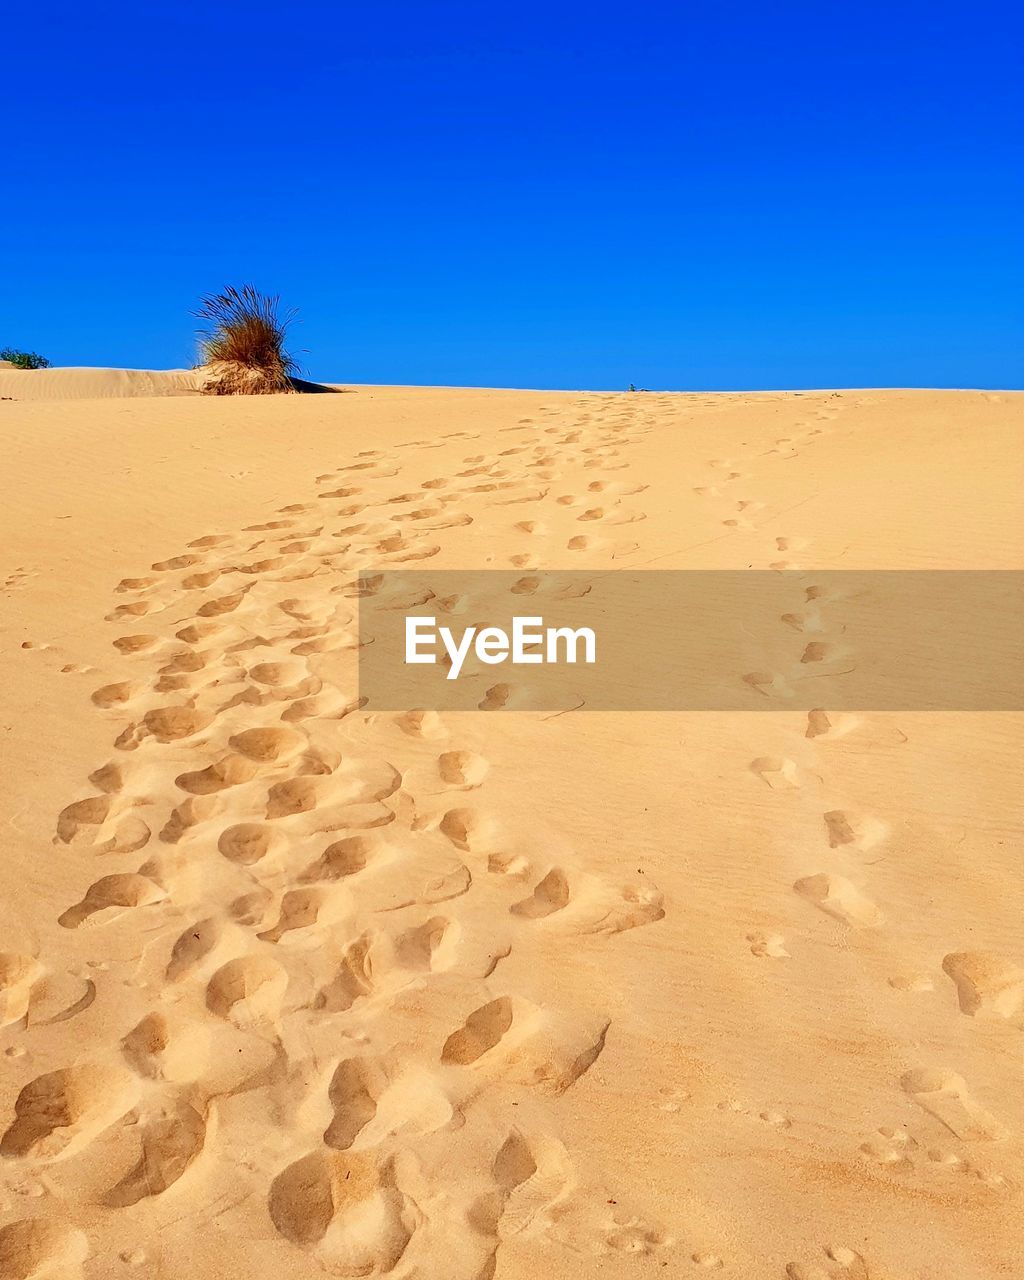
(291,989)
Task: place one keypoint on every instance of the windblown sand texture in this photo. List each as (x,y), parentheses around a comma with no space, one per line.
(288,989)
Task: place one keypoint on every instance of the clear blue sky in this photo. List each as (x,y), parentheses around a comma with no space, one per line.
(541,195)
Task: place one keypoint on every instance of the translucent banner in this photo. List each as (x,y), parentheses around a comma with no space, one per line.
(924,640)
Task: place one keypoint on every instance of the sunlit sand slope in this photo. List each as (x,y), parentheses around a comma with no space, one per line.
(94,384)
(292,989)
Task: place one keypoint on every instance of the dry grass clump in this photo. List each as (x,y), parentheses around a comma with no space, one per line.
(242,345)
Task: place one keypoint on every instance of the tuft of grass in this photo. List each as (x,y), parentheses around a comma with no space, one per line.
(24,359)
(242,343)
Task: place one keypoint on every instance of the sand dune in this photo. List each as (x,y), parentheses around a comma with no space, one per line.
(292,989)
(94,384)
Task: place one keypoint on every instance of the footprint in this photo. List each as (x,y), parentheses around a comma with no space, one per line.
(300,908)
(268,746)
(532,1175)
(483,1030)
(191,813)
(110,892)
(199,581)
(116,695)
(224,604)
(912,981)
(83,821)
(197,632)
(709,1261)
(822,724)
(549,896)
(248,991)
(891,1147)
(463,769)
(419,513)
(193,947)
(810,620)
(187,662)
(284,799)
(776,771)
(211,540)
(18,975)
(135,643)
(837,897)
(170,1141)
(59,1112)
(154,1053)
(341,859)
(840,1264)
(346,491)
(768,945)
(275,674)
(38,1249)
(249,842)
(819,651)
(496,697)
(177,562)
(420,723)
(354,978)
(260,566)
(80,822)
(428,946)
(463,827)
(944,1095)
(862,832)
(231,771)
(172,724)
(356,1086)
(347,1208)
(986,983)
(108,778)
(768,683)
(636,905)
(136,609)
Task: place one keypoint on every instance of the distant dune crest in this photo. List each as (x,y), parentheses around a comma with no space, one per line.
(95,384)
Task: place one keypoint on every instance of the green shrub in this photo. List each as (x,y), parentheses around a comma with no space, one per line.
(24,359)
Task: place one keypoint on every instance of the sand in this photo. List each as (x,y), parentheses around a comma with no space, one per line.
(291,989)
(94,384)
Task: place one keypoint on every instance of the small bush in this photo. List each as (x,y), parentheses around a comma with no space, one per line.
(242,344)
(24,359)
